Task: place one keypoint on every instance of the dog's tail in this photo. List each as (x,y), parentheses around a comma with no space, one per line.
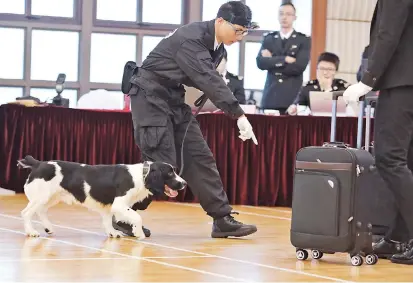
(28,162)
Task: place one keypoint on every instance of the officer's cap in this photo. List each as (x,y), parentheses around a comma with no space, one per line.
(237,13)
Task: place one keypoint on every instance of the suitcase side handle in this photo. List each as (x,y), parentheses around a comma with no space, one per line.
(336,144)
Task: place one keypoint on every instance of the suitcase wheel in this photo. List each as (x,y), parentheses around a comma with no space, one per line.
(301,254)
(372,259)
(356,260)
(316,254)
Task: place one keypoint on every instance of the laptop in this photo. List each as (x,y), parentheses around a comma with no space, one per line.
(321,104)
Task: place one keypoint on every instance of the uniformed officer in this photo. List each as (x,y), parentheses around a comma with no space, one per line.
(190,56)
(285,55)
(390,70)
(363,64)
(327,66)
(235,83)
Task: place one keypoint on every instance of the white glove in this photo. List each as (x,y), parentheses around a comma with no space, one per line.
(354,92)
(245,130)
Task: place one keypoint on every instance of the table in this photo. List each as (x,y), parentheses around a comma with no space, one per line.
(252,175)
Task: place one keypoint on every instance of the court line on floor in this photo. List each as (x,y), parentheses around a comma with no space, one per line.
(98,258)
(242,212)
(132,257)
(288,270)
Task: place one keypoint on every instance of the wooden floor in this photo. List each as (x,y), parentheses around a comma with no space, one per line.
(180,250)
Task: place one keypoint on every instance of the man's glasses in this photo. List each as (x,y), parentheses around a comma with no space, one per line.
(238,32)
(329,70)
(281,14)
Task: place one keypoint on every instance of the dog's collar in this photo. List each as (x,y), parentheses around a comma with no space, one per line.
(145,169)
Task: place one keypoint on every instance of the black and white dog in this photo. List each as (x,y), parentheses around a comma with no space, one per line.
(107,189)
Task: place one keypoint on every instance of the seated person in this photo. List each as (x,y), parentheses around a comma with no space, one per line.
(234,83)
(327,66)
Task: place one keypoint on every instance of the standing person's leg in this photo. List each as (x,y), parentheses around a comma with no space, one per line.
(399,231)
(393,132)
(201,173)
(394,240)
(154,135)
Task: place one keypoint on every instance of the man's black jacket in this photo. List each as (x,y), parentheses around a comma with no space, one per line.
(391,45)
(186,56)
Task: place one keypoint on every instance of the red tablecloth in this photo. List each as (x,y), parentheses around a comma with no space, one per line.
(252,175)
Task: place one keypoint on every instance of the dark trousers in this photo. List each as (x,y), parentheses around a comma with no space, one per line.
(159,130)
(393,148)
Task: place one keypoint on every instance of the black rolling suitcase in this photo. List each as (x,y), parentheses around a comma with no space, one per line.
(328,181)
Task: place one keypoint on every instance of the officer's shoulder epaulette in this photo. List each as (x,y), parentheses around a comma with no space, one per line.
(302,34)
(312,82)
(235,76)
(270,33)
(341,83)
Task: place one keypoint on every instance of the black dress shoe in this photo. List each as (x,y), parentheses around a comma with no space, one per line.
(406,257)
(386,249)
(127,228)
(227,226)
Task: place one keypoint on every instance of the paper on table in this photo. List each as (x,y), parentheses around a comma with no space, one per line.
(352,109)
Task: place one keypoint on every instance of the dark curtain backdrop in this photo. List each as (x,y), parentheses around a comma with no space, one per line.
(252,175)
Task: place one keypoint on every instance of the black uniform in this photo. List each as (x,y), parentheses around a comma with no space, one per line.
(160,115)
(283,80)
(390,70)
(363,65)
(303,97)
(236,85)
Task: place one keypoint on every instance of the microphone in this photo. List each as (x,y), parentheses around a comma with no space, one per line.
(61,78)
(60,86)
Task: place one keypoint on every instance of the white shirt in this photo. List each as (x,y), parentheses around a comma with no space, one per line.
(287,35)
(216,45)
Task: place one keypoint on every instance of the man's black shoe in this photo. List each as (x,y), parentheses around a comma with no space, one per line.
(406,257)
(386,249)
(227,226)
(127,228)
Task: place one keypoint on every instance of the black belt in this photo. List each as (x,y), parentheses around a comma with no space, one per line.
(156,78)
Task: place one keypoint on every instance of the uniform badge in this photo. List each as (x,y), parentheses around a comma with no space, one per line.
(335,87)
(276,36)
(315,87)
(294,46)
(294,35)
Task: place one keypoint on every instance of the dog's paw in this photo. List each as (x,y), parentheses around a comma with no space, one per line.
(49,231)
(114,234)
(141,236)
(138,233)
(32,233)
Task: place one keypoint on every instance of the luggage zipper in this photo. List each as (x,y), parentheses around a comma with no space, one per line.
(353,218)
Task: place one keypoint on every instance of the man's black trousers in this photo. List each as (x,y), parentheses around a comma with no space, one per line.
(393,142)
(159,126)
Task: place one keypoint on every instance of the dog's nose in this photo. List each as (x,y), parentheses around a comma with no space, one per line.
(184,184)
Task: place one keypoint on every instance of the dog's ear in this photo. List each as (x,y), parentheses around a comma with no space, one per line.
(154,182)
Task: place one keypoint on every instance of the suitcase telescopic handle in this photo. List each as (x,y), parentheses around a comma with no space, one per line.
(335,96)
(369,101)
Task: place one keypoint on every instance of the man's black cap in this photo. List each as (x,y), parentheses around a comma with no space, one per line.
(236,12)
